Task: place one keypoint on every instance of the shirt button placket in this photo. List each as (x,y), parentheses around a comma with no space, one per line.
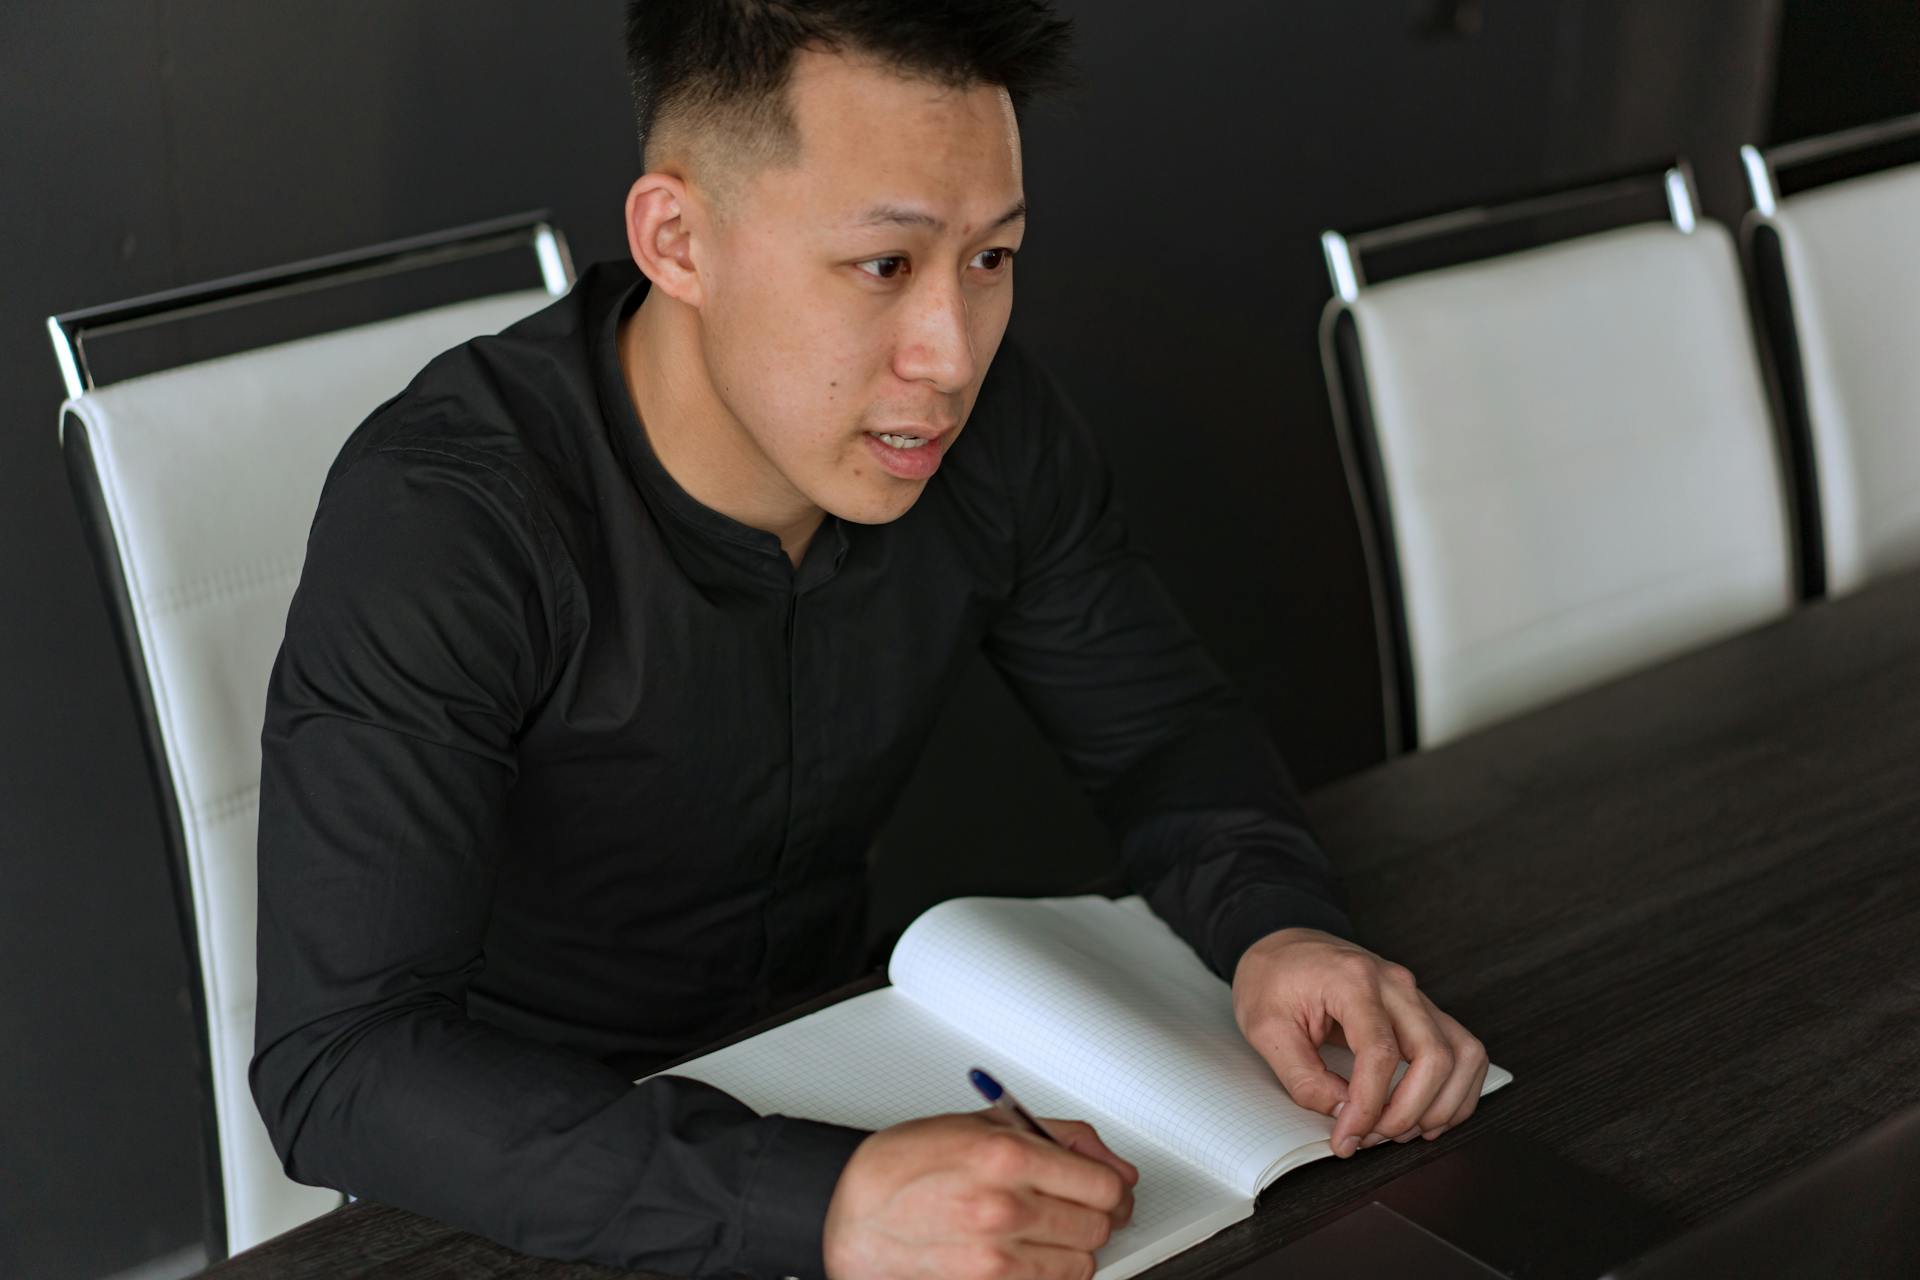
(788,875)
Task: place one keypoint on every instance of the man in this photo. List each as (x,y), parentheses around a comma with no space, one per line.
(619,633)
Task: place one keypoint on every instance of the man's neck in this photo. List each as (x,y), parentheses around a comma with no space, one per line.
(697,439)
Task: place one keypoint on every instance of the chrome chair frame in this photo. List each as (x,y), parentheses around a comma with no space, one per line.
(70,329)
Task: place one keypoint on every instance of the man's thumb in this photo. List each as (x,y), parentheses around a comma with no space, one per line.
(1296,1064)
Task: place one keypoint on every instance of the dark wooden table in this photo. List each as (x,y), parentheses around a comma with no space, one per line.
(1683,909)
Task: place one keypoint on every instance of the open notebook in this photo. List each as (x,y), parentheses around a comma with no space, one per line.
(1084,1008)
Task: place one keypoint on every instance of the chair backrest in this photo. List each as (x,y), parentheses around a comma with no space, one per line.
(197,487)
(1840,265)
(1565,463)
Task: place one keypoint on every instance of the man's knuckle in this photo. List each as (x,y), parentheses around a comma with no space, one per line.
(1299,1081)
(1361,1115)
(1379,1042)
(1398,974)
(1001,1156)
(1358,966)
(993,1213)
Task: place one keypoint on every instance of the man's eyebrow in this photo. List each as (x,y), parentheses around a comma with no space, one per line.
(882,215)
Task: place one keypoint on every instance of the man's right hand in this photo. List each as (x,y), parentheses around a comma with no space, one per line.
(970,1197)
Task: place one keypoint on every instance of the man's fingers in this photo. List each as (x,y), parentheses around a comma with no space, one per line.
(1428,1055)
(1018,1159)
(1473,1094)
(1297,1065)
(1050,1262)
(1064,1224)
(1472,1102)
(1078,1135)
(1081,1140)
(1000,1260)
(1454,1102)
(1342,994)
(1375,1055)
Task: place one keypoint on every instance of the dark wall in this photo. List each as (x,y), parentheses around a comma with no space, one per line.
(1172,276)
(1172,279)
(151,143)
(1845,62)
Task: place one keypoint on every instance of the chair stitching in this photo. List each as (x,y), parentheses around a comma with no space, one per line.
(226,583)
(230,805)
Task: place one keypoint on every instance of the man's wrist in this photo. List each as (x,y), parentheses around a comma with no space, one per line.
(1267,944)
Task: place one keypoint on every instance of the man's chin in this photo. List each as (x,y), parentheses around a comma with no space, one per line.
(883,507)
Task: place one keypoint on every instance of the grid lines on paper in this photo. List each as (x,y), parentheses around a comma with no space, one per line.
(879,1059)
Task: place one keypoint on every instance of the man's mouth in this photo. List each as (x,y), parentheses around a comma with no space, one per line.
(911,454)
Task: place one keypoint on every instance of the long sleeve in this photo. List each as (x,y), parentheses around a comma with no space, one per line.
(429,619)
(1207,821)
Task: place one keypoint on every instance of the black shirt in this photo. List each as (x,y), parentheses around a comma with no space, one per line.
(566,773)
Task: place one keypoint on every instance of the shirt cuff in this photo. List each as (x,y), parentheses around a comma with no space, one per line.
(785,1206)
(1255,913)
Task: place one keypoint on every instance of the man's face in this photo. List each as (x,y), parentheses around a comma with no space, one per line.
(865,290)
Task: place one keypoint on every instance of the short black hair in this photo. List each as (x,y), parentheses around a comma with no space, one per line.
(723,65)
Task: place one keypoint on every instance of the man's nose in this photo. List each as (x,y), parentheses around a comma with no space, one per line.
(937,344)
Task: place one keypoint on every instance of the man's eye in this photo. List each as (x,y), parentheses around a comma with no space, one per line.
(997,259)
(883,268)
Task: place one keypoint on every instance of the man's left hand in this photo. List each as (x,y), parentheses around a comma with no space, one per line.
(1299,988)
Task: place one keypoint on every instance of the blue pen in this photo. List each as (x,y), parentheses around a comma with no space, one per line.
(991,1090)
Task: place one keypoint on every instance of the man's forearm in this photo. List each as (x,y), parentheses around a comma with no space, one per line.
(545,1150)
(1212,835)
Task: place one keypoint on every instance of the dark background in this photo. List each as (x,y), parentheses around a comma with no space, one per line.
(1172,279)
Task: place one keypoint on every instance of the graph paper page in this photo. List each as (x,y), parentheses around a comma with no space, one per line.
(1105,1001)
(879,1059)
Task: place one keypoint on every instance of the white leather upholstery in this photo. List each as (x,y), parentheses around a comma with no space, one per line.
(210,474)
(1852,257)
(1580,462)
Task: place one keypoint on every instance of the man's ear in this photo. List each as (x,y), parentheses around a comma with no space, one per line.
(660,211)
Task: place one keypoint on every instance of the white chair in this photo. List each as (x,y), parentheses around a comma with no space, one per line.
(197,486)
(1563,458)
(1837,267)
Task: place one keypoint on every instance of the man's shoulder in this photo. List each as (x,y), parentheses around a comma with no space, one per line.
(521,405)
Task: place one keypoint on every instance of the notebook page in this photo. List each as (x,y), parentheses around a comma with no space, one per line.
(879,1059)
(1106,1001)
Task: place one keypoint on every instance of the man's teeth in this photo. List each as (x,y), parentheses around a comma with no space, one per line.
(901,442)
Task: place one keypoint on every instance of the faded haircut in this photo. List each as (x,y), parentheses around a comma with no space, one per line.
(713,74)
